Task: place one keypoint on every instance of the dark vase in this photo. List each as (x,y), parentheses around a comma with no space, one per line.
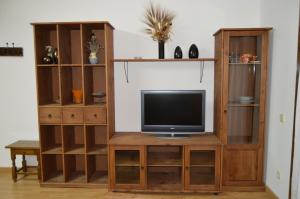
(193,52)
(161,49)
(178,53)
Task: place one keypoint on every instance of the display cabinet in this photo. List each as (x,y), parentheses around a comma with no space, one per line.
(240,96)
(74,123)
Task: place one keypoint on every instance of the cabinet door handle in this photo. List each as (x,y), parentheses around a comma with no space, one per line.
(186,168)
(142,167)
(95,115)
(49,115)
(72,115)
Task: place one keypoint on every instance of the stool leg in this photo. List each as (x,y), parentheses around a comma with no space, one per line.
(24,164)
(14,168)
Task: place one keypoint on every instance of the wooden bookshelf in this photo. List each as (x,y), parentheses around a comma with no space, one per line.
(74,136)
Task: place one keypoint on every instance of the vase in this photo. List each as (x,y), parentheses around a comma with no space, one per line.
(93,58)
(178,53)
(193,52)
(77,96)
(161,49)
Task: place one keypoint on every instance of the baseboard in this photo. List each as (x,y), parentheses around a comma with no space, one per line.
(268,190)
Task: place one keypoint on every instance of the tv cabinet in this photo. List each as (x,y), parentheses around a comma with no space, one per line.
(74,136)
(140,162)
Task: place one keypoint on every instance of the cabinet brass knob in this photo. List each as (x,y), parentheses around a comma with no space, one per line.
(49,115)
(72,115)
(95,115)
(186,168)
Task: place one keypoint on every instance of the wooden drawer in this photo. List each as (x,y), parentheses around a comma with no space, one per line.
(94,115)
(72,115)
(50,115)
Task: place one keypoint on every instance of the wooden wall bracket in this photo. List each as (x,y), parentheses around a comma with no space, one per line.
(11,51)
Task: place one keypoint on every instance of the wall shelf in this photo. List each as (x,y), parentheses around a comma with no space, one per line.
(200,60)
(166,60)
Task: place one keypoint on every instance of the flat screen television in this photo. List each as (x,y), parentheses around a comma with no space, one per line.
(173,111)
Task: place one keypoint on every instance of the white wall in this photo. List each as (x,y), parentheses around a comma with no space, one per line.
(195,22)
(283,16)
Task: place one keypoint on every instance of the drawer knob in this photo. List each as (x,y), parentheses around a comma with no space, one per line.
(49,115)
(186,168)
(95,115)
(72,115)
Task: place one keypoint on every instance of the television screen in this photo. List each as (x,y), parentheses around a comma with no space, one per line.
(173,111)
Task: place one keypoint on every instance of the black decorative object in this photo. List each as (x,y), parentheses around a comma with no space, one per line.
(11,51)
(193,52)
(178,53)
(52,55)
(161,49)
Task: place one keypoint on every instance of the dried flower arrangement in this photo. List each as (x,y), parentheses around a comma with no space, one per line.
(93,44)
(159,22)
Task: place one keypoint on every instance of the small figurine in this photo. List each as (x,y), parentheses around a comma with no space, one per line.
(51,57)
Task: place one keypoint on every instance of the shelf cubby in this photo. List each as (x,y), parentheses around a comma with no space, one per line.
(71,79)
(165,156)
(51,139)
(98,30)
(164,178)
(73,137)
(202,175)
(70,44)
(202,158)
(48,85)
(97,169)
(127,175)
(45,35)
(75,168)
(127,158)
(52,169)
(96,140)
(94,81)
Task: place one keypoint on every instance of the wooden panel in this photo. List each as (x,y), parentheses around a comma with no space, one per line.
(96,140)
(72,115)
(95,115)
(52,169)
(75,169)
(137,138)
(218,87)
(110,90)
(50,115)
(240,166)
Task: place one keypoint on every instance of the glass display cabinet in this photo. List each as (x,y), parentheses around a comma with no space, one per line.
(240,94)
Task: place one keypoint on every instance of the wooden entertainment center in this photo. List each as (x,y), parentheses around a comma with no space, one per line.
(80,148)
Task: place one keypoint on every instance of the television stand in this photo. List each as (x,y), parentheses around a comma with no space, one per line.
(143,162)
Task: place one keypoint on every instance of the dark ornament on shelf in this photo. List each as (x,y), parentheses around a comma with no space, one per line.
(52,55)
(178,53)
(161,49)
(193,52)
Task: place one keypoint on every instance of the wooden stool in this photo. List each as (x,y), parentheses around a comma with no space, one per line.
(24,147)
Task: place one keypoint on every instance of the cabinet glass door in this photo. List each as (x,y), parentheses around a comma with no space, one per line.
(128,167)
(202,168)
(244,79)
